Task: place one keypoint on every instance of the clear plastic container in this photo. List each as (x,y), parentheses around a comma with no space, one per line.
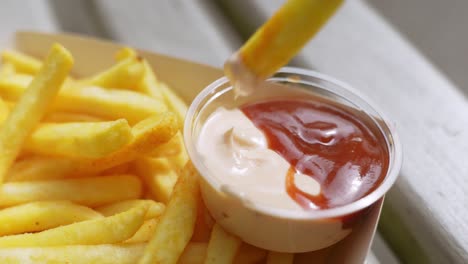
(275,228)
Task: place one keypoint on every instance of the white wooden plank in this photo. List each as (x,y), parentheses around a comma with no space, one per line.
(28,14)
(437,28)
(359,47)
(180,28)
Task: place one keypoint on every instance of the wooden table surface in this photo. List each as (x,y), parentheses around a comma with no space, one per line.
(427,208)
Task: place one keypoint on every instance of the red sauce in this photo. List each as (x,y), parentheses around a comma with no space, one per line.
(326,142)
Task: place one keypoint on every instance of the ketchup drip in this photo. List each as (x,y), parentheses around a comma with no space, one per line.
(323,141)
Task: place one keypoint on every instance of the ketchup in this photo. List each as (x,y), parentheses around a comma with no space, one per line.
(340,150)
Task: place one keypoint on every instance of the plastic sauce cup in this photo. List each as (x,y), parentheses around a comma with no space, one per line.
(279,229)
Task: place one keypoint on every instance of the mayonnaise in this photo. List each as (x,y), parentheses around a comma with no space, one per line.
(236,153)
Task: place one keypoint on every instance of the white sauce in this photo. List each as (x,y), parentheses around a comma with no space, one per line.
(236,153)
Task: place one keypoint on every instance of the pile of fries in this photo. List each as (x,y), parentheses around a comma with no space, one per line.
(93,170)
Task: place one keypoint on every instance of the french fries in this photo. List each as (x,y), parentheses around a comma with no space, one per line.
(155,209)
(145,232)
(39,216)
(95,172)
(176,224)
(158,176)
(94,100)
(95,191)
(79,140)
(21,62)
(4,111)
(222,247)
(7,69)
(126,74)
(113,229)
(76,254)
(32,105)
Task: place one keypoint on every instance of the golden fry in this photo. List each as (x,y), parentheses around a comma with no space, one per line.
(32,105)
(158,175)
(145,232)
(147,135)
(79,140)
(126,74)
(155,209)
(222,247)
(194,253)
(280,258)
(6,69)
(76,254)
(176,224)
(22,62)
(13,86)
(39,216)
(109,103)
(92,192)
(175,103)
(149,84)
(40,168)
(64,117)
(4,111)
(96,101)
(125,53)
(113,229)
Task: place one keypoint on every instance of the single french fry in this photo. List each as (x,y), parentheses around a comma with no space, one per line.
(113,229)
(150,84)
(145,232)
(65,117)
(79,140)
(23,63)
(76,254)
(284,34)
(171,148)
(6,69)
(174,150)
(96,101)
(126,74)
(39,216)
(4,111)
(194,253)
(249,254)
(32,105)
(155,209)
(147,135)
(109,103)
(125,53)
(222,247)
(280,258)
(40,168)
(95,191)
(176,224)
(174,102)
(158,175)
(13,86)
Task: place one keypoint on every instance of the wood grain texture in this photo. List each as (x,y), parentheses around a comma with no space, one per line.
(430,113)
